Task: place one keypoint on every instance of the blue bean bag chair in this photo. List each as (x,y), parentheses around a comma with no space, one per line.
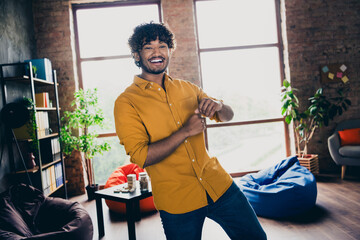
(284,190)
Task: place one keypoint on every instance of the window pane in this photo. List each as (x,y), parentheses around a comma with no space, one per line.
(105,31)
(246,148)
(105,164)
(110,77)
(248,80)
(236,22)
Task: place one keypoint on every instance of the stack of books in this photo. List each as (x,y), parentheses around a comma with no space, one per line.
(58,175)
(42,100)
(55,148)
(42,119)
(52,178)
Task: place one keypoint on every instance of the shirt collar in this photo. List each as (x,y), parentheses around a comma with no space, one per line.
(144,84)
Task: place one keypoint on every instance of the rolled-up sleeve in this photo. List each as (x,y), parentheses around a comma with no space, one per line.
(131,131)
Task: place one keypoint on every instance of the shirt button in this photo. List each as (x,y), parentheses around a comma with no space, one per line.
(149,86)
(159,89)
(193,160)
(170,104)
(186,141)
(200,179)
(178,122)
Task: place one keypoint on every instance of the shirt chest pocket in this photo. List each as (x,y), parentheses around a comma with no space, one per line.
(187,107)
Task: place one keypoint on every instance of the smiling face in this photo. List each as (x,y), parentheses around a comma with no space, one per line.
(154,57)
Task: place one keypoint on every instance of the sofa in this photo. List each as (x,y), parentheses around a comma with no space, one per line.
(344,144)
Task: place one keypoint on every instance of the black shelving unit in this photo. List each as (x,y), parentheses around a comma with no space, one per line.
(49,173)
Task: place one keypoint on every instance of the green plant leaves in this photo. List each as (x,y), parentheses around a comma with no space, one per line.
(86,114)
(32,127)
(286,83)
(288,119)
(320,111)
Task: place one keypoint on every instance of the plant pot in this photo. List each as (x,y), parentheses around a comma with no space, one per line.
(91,189)
(311,162)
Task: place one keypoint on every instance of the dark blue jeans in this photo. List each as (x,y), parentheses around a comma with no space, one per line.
(231,211)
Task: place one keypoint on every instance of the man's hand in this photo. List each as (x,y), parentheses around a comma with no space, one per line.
(159,150)
(194,125)
(208,107)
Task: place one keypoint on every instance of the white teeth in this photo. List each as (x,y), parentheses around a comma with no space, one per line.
(156,60)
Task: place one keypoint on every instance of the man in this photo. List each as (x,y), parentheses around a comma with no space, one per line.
(160,121)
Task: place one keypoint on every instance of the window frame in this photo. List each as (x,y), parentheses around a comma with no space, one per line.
(80,60)
(279,46)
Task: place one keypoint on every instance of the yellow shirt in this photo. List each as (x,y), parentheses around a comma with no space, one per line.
(145,113)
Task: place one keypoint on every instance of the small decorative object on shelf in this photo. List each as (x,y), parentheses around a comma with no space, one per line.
(43,68)
(31,161)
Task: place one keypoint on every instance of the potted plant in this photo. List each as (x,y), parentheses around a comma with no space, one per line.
(76,132)
(306,120)
(34,70)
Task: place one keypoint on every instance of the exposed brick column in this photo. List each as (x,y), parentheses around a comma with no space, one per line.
(54,40)
(179,15)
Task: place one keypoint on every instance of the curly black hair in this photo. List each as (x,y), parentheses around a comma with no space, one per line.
(148,32)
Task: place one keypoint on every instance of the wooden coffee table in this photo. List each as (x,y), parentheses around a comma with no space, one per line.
(132,206)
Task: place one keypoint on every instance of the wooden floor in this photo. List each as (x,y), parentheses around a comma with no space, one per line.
(336,216)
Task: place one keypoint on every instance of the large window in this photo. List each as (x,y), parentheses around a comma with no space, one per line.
(240,55)
(105,63)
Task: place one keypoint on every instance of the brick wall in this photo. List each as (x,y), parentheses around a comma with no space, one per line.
(54,40)
(179,15)
(321,33)
(318,33)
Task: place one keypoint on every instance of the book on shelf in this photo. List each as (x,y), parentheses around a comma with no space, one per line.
(50,150)
(51,169)
(42,118)
(55,148)
(42,100)
(58,174)
(46,182)
(25,131)
(51,178)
